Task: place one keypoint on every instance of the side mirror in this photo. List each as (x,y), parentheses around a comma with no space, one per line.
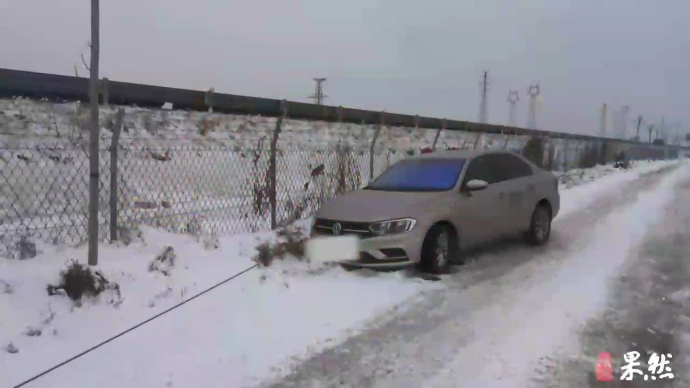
(476,185)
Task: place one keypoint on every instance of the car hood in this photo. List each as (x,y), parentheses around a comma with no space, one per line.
(376,205)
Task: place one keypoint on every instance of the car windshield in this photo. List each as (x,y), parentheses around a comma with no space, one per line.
(430,174)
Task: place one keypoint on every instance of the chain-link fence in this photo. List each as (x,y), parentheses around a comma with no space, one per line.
(223,188)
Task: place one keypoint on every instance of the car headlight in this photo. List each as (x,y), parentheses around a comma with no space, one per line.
(401,225)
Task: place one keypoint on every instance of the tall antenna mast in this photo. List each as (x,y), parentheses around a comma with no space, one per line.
(533,92)
(483,105)
(625,112)
(318,95)
(513,98)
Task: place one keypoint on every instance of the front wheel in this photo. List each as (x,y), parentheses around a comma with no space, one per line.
(540,226)
(437,250)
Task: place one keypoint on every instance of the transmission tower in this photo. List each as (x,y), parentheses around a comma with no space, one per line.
(483,104)
(533,92)
(602,121)
(513,98)
(318,95)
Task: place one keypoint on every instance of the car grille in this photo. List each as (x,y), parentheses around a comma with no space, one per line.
(325,227)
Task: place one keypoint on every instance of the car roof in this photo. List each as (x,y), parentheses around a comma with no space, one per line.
(459,154)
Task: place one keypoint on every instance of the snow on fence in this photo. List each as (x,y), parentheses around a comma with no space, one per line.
(206,173)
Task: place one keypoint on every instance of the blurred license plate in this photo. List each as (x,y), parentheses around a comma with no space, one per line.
(324,249)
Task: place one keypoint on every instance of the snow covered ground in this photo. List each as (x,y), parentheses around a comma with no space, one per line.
(244,332)
(579,193)
(232,335)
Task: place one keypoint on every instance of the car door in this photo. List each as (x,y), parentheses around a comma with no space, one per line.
(514,181)
(477,212)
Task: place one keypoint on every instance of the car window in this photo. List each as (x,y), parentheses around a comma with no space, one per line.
(479,169)
(505,167)
(423,174)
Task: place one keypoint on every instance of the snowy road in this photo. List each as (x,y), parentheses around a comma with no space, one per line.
(499,318)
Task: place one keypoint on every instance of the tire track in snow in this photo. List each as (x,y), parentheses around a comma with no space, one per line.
(410,348)
(648,311)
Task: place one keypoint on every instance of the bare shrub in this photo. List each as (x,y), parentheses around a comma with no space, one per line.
(621,161)
(348,176)
(32,332)
(26,249)
(261,182)
(194,227)
(160,156)
(78,281)
(5,287)
(11,349)
(534,151)
(207,125)
(165,262)
(129,234)
(289,243)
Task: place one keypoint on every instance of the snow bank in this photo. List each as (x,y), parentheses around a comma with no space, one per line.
(577,186)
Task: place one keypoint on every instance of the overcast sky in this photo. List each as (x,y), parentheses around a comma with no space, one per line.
(401,56)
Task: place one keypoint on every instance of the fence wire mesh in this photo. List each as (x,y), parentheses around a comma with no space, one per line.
(44,196)
(217,188)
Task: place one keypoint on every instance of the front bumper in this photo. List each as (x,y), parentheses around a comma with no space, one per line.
(383,265)
(384,252)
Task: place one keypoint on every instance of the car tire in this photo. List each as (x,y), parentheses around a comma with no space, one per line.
(540,225)
(437,250)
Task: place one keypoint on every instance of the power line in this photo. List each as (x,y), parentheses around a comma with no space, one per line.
(133,328)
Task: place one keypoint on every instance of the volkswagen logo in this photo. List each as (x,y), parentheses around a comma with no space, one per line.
(337,228)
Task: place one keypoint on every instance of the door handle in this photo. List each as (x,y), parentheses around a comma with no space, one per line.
(501,195)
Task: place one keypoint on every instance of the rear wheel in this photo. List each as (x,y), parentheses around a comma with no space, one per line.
(438,249)
(540,225)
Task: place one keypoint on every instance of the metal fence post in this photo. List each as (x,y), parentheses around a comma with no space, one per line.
(272,187)
(208,99)
(377,130)
(476,141)
(565,155)
(438,133)
(505,145)
(113,173)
